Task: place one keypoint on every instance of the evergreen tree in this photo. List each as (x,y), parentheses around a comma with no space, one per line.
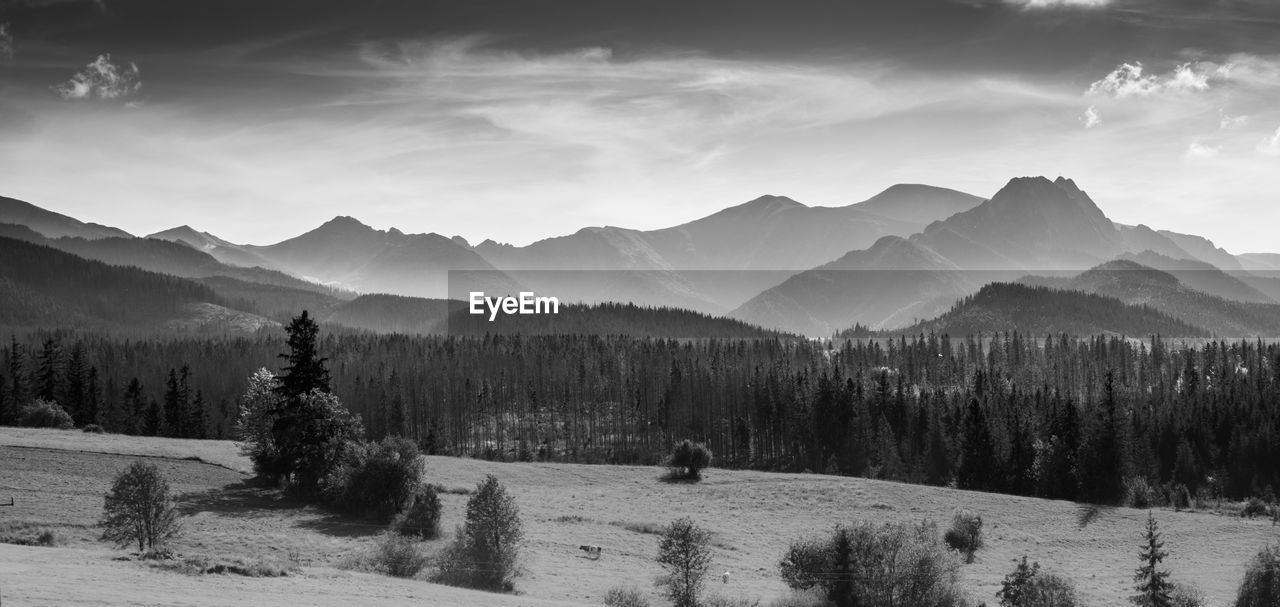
(175,407)
(93,398)
(18,391)
(977,452)
(1102,479)
(134,409)
(74,389)
(1153,583)
(306,370)
(47,371)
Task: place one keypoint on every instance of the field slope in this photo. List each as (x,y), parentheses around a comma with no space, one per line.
(57,479)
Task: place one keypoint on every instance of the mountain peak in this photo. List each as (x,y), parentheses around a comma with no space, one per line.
(771,202)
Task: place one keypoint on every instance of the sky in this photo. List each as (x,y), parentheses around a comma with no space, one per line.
(524,119)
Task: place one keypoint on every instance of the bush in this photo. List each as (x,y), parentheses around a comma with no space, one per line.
(46,414)
(93,429)
(1254,507)
(399,556)
(1261,585)
(375,480)
(965,534)
(889,565)
(619,596)
(687,460)
(1186,595)
(684,550)
(1028,586)
(138,509)
(422,519)
(1139,493)
(486,552)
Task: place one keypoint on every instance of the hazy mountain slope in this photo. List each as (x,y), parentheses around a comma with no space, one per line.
(918,204)
(166,257)
(718,262)
(1264,262)
(1204,250)
(348,253)
(893,283)
(1202,276)
(1031,223)
(51,224)
(45,287)
(1038,311)
(393,314)
(1137,284)
(273,301)
(1141,238)
(222,250)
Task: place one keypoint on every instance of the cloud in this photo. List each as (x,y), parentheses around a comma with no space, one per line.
(1228,122)
(1128,80)
(1270,146)
(102,79)
(1033,4)
(6,42)
(1200,150)
(1091,117)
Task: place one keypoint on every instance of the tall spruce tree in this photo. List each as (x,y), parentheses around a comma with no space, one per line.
(1153,584)
(47,372)
(977,451)
(306,370)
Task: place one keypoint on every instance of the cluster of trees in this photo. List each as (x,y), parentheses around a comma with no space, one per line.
(1058,417)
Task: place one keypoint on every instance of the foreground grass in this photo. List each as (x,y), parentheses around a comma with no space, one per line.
(754,515)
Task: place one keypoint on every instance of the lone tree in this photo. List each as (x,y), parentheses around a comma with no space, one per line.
(138,509)
(1153,587)
(684,550)
(486,552)
(1261,585)
(309,426)
(687,460)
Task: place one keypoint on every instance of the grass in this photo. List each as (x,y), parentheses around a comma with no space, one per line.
(230,522)
(224,565)
(26,533)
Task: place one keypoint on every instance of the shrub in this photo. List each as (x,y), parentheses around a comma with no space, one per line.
(93,429)
(619,596)
(1261,585)
(422,519)
(486,551)
(138,509)
(684,551)
(687,460)
(1028,586)
(375,480)
(46,414)
(399,556)
(1186,595)
(889,565)
(1139,493)
(1254,507)
(965,534)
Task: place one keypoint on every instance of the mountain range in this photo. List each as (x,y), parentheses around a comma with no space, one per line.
(902,257)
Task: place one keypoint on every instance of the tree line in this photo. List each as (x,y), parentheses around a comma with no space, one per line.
(1058,416)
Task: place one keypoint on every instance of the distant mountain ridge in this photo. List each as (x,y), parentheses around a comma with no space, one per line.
(53,225)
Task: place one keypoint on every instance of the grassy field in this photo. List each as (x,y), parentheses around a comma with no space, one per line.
(57,480)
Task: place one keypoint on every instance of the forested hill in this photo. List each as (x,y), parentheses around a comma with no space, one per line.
(419,316)
(607,319)
(43,287)
(1038,310)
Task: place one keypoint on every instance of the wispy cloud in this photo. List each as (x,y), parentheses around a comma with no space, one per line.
(1270,146)
(1128,80)
(1091,117)
(1033,4)
(102,79)
(6,42)
(1201,150)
